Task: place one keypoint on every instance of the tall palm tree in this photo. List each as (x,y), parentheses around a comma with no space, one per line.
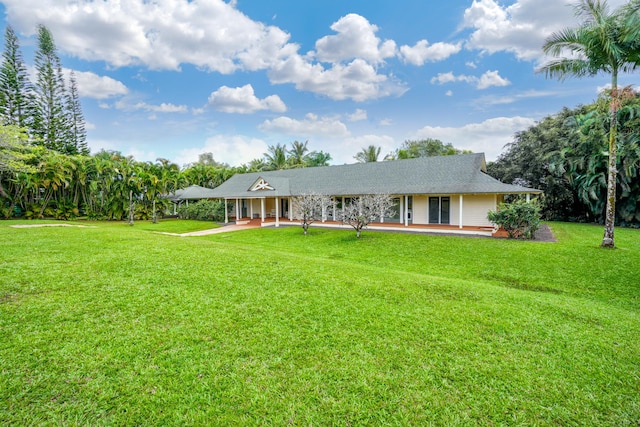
(368,154)
(605,42)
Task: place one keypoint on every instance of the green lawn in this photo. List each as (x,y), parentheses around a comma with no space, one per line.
(118,325)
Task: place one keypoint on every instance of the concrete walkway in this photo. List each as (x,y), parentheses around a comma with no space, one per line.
(223,229)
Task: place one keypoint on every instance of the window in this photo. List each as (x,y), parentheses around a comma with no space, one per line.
(439,210)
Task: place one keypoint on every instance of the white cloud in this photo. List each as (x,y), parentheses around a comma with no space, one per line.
(357,80)
(91,85)
(520,28)
(357,115)
(356,38)
(487,80)
(444,78)
(211,34)
(161,108)
(242,100)
(234,150)
(215,36)
(422,52)
(509,99)
(312,125)
(492,78)
(487,137)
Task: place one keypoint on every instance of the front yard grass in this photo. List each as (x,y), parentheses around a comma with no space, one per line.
(117,325)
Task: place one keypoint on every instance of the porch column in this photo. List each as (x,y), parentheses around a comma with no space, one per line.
(401,213)
(237,210)
(290,208)
(334,208)
(528,197)
(406,213)
(262,209)
(226,212)
(460,219)
(277,211)
(250,201)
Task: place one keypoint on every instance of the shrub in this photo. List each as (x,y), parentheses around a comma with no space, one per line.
(520,219)
(204,210)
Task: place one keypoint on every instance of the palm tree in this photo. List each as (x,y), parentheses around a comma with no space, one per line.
(368,154)
(299,154)
(605,42)
(276,157)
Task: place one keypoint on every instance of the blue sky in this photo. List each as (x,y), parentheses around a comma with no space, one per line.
(176,78)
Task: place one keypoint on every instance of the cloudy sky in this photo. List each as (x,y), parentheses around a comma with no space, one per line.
(176,78)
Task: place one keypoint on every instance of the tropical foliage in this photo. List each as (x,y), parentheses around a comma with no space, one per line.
(368,154)
(429,147)
(204,210)
(566,156)
(606,42)
(280,157)
(520,219)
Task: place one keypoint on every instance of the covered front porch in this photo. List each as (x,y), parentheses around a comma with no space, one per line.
(274,210)
(379,226)
(435,211)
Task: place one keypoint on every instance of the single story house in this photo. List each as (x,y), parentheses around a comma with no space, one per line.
(445,190)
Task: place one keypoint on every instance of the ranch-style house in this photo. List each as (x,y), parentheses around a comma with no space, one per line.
(445,192)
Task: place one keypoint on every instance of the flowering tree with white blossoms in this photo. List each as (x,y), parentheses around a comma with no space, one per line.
(360,211)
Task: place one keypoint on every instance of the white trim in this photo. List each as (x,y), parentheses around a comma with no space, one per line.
(261,185)
(406,213)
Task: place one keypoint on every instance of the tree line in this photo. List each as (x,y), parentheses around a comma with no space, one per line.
(566,155)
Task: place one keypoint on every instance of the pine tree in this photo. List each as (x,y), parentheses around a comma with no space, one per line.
(14,83)
(78,133)
(50,119)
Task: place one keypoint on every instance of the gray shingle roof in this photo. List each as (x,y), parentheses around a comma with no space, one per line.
(462,174)
(193,192)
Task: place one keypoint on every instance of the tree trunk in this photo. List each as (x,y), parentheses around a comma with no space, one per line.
(2,192)
(130,207)
(610,213)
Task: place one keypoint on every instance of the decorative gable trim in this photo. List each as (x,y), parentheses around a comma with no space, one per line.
(261,185)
